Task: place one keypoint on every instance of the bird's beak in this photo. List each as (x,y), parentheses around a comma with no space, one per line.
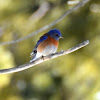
(61,37)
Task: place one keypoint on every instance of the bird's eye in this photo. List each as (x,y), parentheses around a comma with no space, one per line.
(57,35)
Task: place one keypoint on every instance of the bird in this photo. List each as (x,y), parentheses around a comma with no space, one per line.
(47,44)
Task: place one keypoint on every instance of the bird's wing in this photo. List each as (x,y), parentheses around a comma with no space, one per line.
(42,38)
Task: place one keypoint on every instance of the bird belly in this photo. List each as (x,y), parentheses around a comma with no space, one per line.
(49,50)
(48,46)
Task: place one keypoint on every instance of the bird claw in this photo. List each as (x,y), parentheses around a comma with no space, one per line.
(42,57)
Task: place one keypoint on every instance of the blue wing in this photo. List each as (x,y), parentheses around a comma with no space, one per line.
(42,38)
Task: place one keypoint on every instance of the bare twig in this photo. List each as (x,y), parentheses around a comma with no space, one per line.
(37,15)
(72,2)
(81,4)
(40,12)
(40,60)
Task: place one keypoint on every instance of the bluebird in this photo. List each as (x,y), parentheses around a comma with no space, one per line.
(47,44)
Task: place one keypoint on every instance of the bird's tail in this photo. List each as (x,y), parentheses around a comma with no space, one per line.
(33,58)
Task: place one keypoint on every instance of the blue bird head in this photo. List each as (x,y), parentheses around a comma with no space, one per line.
(55,33)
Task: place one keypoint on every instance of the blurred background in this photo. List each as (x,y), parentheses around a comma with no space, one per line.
(71,77)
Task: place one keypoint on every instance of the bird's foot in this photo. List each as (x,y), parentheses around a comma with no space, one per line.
(42,57)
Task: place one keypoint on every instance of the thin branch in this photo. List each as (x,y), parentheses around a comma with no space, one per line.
(40,60)
(72,2)
(81,4)
(42,10)
(37,15)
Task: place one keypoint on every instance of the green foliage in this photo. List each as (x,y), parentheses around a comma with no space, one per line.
(71,77)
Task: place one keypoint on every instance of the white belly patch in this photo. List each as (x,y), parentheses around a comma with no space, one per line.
(49,50)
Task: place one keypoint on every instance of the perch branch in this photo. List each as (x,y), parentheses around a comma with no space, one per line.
(40,60)
(80,4)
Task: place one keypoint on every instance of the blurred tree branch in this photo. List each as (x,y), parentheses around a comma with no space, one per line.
(40,60)
(80,4)
(41,11)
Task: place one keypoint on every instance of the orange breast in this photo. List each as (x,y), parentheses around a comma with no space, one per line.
(47,42)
